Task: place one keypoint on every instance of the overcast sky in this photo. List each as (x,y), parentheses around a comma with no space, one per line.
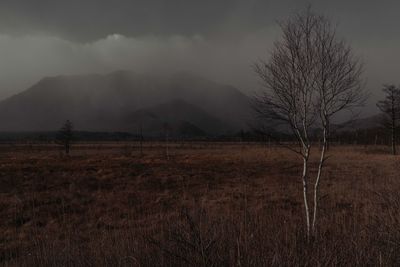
(219,39)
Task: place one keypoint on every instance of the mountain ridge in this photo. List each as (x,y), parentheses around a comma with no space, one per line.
(105,102)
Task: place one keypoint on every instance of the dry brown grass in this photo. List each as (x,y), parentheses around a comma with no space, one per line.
(209,205)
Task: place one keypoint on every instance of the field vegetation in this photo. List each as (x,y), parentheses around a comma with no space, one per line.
(208,204)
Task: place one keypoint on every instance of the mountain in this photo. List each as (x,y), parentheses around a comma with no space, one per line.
(371,122)
(126,101)
(176,116)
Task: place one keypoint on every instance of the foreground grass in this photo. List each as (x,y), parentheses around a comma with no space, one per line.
(208,205)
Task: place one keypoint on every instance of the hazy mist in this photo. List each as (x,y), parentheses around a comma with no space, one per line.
(217,39)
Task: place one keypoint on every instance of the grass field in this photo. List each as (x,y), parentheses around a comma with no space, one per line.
(208,204)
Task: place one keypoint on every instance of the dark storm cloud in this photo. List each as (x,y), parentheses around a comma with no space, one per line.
(88,20)
(219,39)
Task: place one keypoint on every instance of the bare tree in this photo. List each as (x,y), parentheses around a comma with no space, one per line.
(338,85)
(65,136)
(309,78)
(289,98)
(167,129)
(141,139)
(390,107)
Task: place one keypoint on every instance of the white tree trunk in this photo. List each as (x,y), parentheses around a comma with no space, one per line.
(317,180)
(305,193)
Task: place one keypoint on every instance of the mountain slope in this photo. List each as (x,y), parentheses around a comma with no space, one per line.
(177,116)
(370,122)
(114,101)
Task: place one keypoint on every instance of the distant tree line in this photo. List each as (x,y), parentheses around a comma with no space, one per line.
(390,108)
